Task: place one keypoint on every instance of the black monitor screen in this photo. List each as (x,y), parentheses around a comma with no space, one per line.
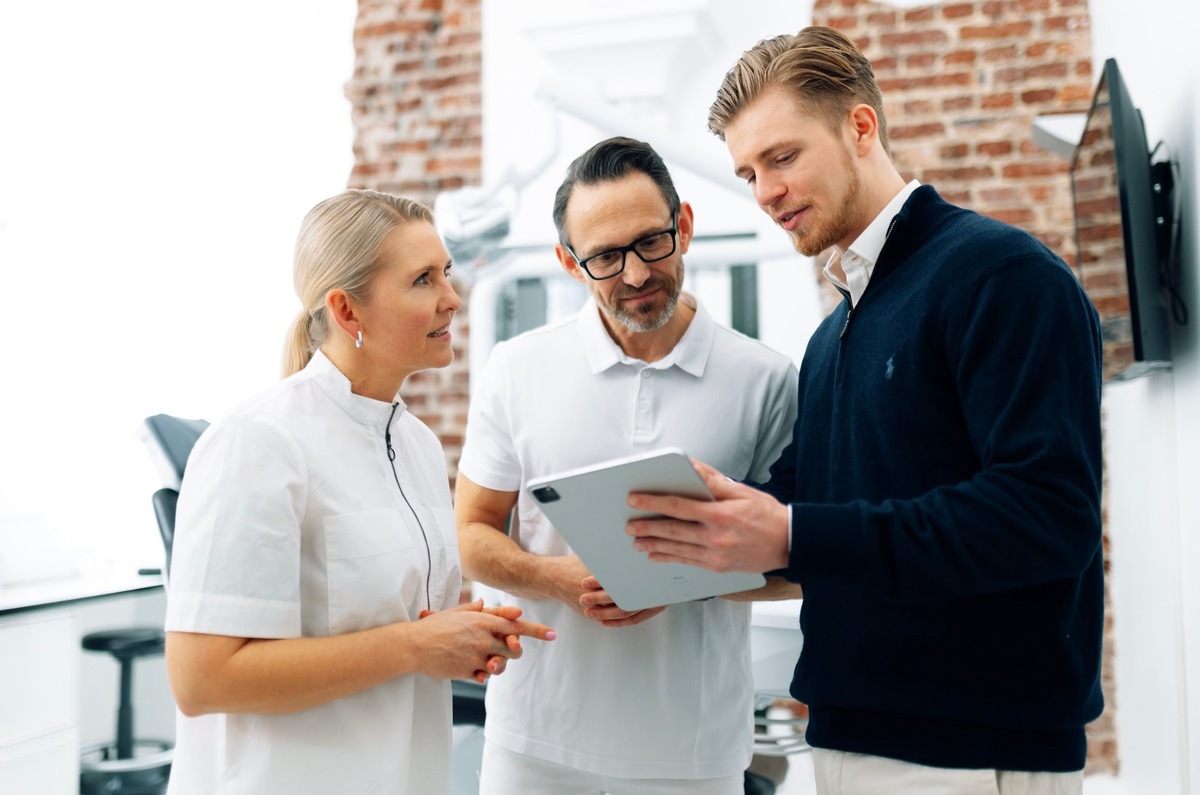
(1115,229)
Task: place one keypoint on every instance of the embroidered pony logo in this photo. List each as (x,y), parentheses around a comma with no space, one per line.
(891,367)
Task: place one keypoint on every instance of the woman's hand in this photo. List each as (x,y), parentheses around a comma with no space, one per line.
(471,641)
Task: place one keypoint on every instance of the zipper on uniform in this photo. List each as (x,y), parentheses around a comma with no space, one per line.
(391,454)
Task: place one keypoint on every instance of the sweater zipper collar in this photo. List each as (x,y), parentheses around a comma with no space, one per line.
(850,309)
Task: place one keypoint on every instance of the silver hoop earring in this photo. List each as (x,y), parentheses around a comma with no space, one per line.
(358,340)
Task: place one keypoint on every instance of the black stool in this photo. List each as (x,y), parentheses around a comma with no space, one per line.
(127,766)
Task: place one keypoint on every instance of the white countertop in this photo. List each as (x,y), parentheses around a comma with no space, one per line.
(19,597)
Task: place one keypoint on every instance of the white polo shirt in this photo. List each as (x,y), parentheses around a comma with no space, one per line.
(291,524)
(672,697)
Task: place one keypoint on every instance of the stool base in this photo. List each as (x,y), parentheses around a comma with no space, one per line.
(146,773)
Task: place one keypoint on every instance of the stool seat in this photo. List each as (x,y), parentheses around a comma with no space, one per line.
(125,643)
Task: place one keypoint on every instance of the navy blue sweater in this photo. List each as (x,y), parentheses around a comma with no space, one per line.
(944,477)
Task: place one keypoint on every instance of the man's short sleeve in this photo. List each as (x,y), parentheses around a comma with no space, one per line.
(489,456)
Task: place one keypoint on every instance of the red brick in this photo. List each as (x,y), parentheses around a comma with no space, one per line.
(1064,23)
(1000,30)
(926,82)
(917,131)
(1039,96)
(958,10)
(1015,217)
(1006,54)
(384,29)
(1047,70)
(918,15)
(964,174)
(1000,195)
(1012,74)
(909,38)
(955,151)
(995,101)
(1034,169)
(1041,194)
(885,65)
(961,58)
(962,197)
(1073,94)
(843,23)
(1028,147)
(994,148)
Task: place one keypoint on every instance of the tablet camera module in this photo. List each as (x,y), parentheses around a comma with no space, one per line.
(545,494)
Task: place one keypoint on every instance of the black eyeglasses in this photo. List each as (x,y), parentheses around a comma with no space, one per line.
(651,248)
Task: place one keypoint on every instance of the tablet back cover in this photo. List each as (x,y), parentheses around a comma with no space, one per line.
(588,508)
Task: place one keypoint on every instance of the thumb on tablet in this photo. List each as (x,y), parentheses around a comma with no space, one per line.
(718,483)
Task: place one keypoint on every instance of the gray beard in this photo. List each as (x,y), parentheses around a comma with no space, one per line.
(644,321)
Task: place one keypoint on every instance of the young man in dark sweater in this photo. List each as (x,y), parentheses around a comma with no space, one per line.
(939,502)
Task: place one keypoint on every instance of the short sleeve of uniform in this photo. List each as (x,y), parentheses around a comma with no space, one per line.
(235,567)
(777,419)
(489,456)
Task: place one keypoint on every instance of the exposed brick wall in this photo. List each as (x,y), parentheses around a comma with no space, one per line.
(417,105)
(962,83)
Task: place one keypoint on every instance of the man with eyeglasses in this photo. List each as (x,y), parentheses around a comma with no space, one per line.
(651,701)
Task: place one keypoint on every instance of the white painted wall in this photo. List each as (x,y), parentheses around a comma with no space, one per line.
(155,162)
(1153,446)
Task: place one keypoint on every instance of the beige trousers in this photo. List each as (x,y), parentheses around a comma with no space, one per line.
(840,773)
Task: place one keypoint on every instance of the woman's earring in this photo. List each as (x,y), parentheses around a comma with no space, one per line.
(358,340)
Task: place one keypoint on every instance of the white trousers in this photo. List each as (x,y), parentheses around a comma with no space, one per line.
(840,773)
(507,773)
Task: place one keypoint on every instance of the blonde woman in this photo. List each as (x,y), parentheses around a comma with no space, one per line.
(313,619)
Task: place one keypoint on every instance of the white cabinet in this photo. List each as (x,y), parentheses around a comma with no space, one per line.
(39,696)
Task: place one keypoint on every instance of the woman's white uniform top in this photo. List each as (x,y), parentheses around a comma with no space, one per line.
(671,697)
(292,524)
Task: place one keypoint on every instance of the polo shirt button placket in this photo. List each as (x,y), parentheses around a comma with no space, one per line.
(643,425)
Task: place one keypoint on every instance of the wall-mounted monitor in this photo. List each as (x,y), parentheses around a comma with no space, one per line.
(1122,230)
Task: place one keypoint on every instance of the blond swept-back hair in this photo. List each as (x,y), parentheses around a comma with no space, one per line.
(820,67)
(337,249)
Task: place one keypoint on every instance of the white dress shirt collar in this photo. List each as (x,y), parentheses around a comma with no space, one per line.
(858,260)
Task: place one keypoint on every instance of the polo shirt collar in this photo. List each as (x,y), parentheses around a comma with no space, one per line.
(366,411)
(690,353)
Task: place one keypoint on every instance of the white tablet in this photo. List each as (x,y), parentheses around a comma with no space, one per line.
(588,508)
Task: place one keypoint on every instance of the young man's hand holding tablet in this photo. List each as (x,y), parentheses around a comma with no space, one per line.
(588,507)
